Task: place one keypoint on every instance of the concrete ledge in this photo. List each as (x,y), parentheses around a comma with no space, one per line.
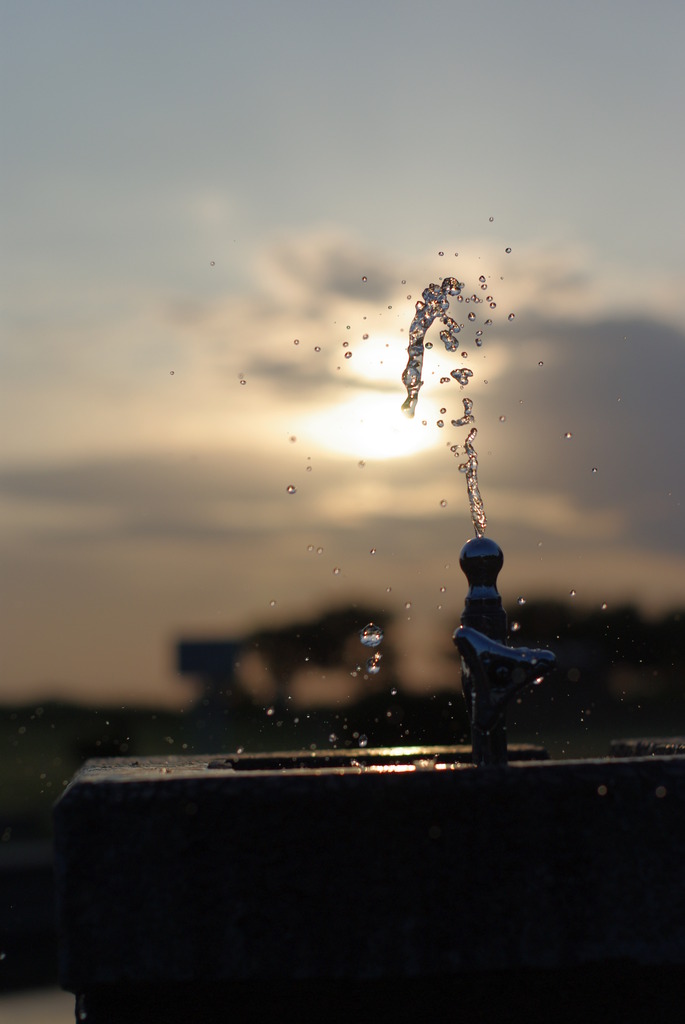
(648,747)
(170,872)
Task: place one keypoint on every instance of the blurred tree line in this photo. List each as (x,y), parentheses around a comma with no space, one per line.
(619,674)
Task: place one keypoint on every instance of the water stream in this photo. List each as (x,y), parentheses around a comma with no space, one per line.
(434,305)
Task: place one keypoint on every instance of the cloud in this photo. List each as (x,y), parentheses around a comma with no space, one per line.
(140,503)
(318,268)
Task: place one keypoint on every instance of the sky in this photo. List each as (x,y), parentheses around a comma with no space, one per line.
(216,221)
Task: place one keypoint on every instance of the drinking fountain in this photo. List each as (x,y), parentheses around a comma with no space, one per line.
(491,672)
(379,883)
(384,884)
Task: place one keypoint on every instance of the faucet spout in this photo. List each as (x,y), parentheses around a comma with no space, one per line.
(493,673)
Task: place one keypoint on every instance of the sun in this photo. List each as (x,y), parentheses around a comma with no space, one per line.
(369,425)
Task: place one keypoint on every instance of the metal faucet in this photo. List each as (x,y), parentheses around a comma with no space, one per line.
(492,672)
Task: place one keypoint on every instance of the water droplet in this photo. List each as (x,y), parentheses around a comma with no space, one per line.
(371,635)
(393,691)
(441,254)
(503,419)
(488,323)
(308,469)
(212,263)
(403,281)
(272,604)
(296,341)
(472,316)
(493,305)
(512,316)
(515,626)
(440,423)
(594,469)
(443,589)
(171,373)
(604,606)
(541,363)
(507,249)
(521,600)
(462,375)
(332,738)
(365,336)
(372,551)
(270,711)
(363,740)
(364,279)
(292,439)
(336,571)
(348,355)
(319,551)
(443,503)
(568,435)
(491,219)
(373,665)
(361,464)
(317,348)
(310,547)
(291,489)
(572,593)
(346,344)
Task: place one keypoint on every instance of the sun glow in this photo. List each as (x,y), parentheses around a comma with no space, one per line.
(370,425)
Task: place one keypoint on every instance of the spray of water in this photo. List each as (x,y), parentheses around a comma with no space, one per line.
(434,306)
(470,468)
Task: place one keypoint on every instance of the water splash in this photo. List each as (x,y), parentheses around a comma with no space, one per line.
(470,468)
(468,416)
(373,665)
(434,306)
(462,375)
(371,635)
